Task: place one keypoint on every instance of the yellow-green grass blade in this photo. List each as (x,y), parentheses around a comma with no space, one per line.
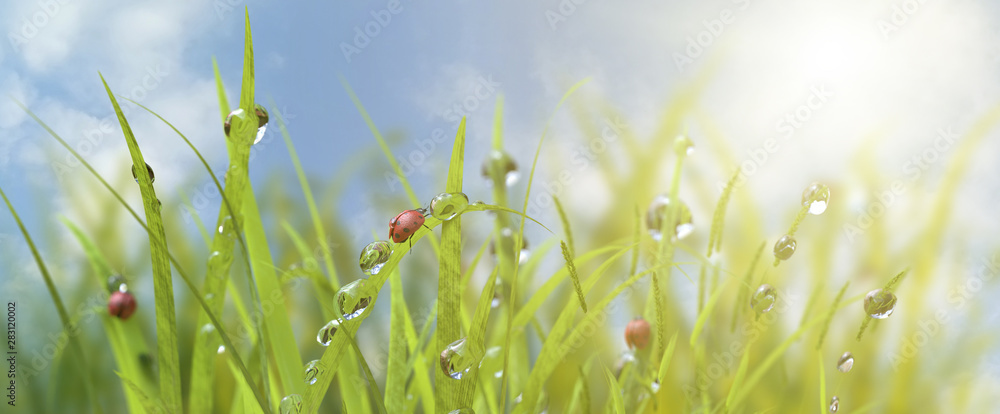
(477,337)
(615,391)
(197,219)
(699,324)
(396,373)
(579,402)
(512,298)
(744,292)
(665,361)
(57,301)
(163,285)
(220,90)
(318,227)
(180,271)
(325,292)
(467,277)
(741,372)
(120,345)
(144,402)
(281,339)
(451,394)
(822,383)
(719,217)
(568,258)
(498,123)
(829,315)
(566,226)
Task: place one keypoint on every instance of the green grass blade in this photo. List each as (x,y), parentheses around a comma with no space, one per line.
(57,301)
(220,90)
(665,361)
(166,317)
(615,391)
(741,372)
(746,288)
(396,373)
(822,384)
(567,256)
(829,315)
(451,394)
(699,324)
(719,217)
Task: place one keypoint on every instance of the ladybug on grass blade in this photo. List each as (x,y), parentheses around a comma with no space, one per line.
(121,305)
(405,224)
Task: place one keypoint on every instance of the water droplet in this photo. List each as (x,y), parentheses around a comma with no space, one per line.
(784,248)
(374,256)
(312,371)
(353,300)
(262,119)
(206,329)
(291,404)
(846,362)
(148,169)
(763,299)
(446,206)
(497,300)
(504,166)
(655,386)
(464,410)
(658,210)
(457,359)
(228,124)
(507,237)
(222,349)
(637,333)
(116,283)
(325,334)
(683,145)
(817,197)
(226,224)
(879,304)
(834,404)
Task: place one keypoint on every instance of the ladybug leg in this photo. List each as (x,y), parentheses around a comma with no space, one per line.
(425,226)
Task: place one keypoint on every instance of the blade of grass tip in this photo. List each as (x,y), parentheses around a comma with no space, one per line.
(517,248)
(699,325)
(318,227)
(220,90)
(451,394)
(829,315)
(180,270)
(822,384)
(665,361)
(615,391)
(163,286)
(280,339)
(60,307)
(566,227)
(567,256)
(741,372)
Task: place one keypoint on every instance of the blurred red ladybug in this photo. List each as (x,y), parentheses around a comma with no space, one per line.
(405,224)
(121,305)
(637,333)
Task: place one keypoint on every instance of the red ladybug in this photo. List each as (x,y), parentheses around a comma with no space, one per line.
(121,305)
(405,224)
(637,333)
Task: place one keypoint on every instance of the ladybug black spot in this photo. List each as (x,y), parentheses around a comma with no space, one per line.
(398,235)
(406,230)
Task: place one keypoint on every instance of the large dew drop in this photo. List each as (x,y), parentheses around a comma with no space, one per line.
(817,197)
(457,359)
(325,334)
(291,404)
(446,206)
(784,248)
(683,145)
(149,169)
(374,256)
(312,372)
(353,300)
(657,212)
(763,299)
(262,119)
(846,362)
(879,304)
(501,164)
(834,404)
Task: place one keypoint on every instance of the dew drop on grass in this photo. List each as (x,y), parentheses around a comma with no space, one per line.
(221,350)
(374,256)
(507,238)
(206,329)
(446,206)
(503,164)
(784,248)
(655,386)
(817,197)
(148,169)
(657,212)
(834,404)
(116,283)
(262,119)
(353,300)
(879,304)
(312,371)
(846,362)
(463,410)
(763,299)
(683,145)
(291,404)
(457,359)
(325,334)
